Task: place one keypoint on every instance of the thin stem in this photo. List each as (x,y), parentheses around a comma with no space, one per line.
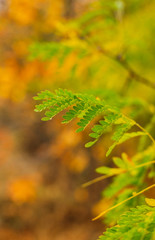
(143,129)
(147,133)
(98,179)
(144,164)
(117,205)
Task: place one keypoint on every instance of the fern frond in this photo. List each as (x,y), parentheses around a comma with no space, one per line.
(86,108)
(138,224)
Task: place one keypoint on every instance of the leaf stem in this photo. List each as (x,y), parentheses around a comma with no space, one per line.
(147,133)
(143,129)
(144,164)
(98,179)
(117,205)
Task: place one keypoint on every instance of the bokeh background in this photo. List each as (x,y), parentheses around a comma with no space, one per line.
(43,165)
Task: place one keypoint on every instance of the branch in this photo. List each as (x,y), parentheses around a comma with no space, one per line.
(125,65)
(69,11)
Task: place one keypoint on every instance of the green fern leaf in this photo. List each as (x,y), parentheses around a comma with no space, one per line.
(86,108)
(137,224)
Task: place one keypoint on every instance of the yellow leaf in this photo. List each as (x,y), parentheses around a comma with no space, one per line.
(150,201)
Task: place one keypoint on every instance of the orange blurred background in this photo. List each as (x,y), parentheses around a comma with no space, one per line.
(42,165)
